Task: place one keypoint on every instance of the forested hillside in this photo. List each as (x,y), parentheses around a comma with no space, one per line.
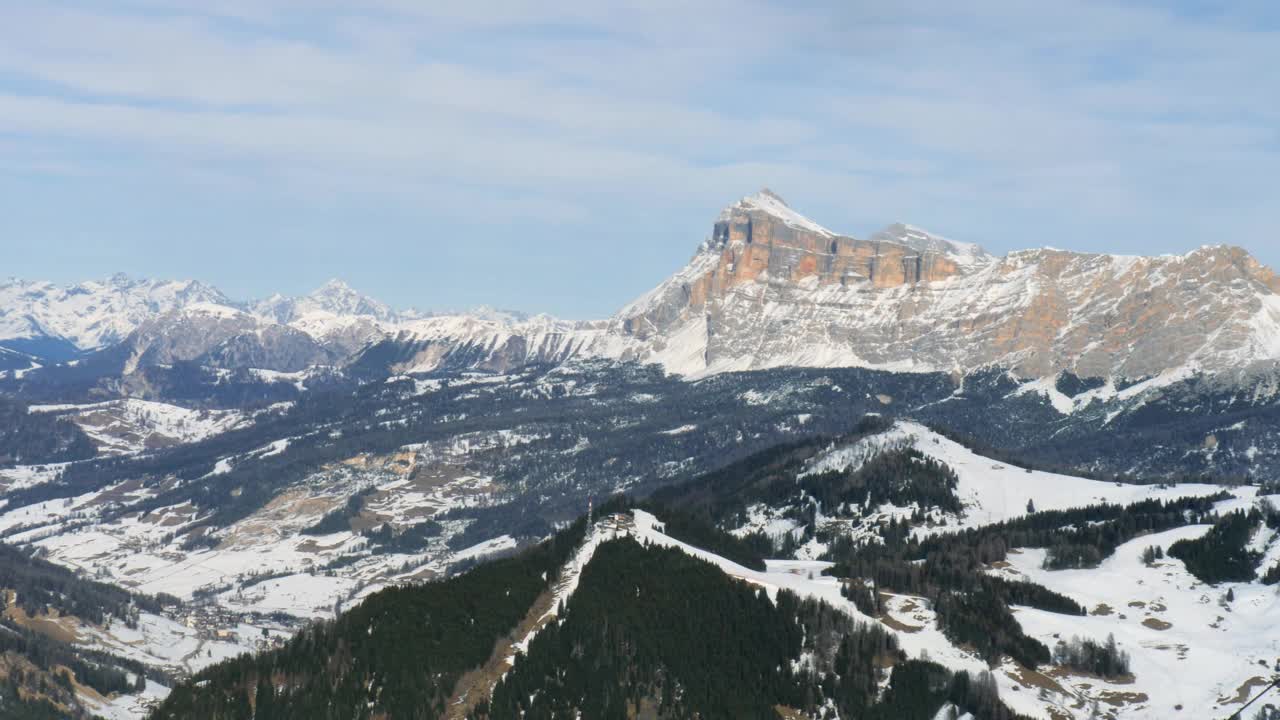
(40,668)
(649,632)
(398,654)
(33,438)
(652,632)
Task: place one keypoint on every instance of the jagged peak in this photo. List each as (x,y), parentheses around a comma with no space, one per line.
(333,285)
(767,195)
(771,203)
(338,297)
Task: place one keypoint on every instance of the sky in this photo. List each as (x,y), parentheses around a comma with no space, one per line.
(564,157)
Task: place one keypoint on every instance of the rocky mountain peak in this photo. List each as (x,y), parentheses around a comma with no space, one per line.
(339,298)
(772,288)
(768,203)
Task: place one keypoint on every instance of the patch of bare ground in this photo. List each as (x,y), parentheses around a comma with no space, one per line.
(1157,624)
(478,684)
(1180,648)
(1035,679)
(1244,692)
(895,624)
(422,575)
(908,606)
(311,546)
(116,494)
(281,512)
(1137,604)
(58,627)
(1059,671)
(646,709)
(1102,609)
(1121,698)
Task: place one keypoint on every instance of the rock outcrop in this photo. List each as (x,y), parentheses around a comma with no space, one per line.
(768,288)
(771,288)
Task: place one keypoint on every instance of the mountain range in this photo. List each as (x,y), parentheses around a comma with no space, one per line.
(767,288)
(808,476)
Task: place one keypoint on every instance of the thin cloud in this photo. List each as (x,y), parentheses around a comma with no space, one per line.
(1094,125)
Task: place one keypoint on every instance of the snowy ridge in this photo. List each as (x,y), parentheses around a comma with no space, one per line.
(903,300)
(967,255)
(770,202)
(992,492)
(1173,627)
(94,313)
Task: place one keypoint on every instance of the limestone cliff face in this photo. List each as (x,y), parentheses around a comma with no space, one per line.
(772,288)
(753,242)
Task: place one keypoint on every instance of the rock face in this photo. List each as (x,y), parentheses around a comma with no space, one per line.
(489,340)
(221,337)
(768,288)
(772,288)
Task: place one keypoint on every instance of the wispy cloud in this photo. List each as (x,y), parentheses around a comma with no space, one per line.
(1095,125)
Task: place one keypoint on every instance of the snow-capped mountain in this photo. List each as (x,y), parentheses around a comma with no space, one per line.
(334,315)
(769,288)
(223,337)
(89,315)
(334,298)
(772,288)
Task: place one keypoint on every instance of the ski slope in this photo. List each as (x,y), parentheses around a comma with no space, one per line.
(993,492)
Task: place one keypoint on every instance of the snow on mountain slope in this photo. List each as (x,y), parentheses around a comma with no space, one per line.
(966,255)
(767,201)
(498,342)
(129,426)
(1192,650)
(993,492)
(335,297)
(805,578)
(772,288)
(95,313)
(1173,627)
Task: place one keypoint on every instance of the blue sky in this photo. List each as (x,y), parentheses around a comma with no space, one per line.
(566,156)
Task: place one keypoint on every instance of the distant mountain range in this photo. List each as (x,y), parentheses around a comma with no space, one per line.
(906,428)
(768,288)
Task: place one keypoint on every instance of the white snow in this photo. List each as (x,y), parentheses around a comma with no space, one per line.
(991,491)
(768,202)
(1189,647)
(130,426)
(683,429)
(95,313)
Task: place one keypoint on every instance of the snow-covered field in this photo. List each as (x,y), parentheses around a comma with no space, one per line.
(1191,648)
(264,564)
(120,427)
(1193,653)
(989,491)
